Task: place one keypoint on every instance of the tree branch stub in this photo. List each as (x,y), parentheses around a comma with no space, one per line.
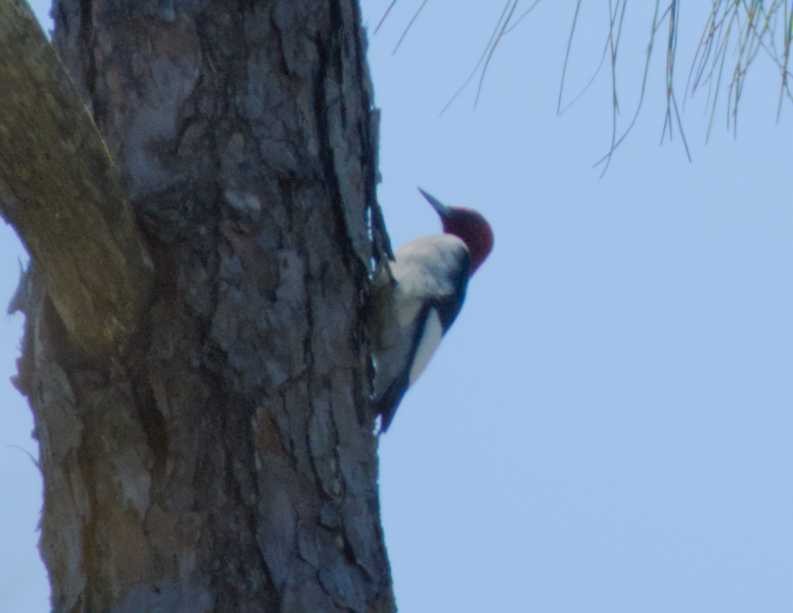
(61,191)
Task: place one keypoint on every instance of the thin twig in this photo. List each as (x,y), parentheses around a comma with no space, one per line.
(385,16)
(568,49)
(409,25)
(491,52)
(479,62)
(642,92)
(522,16)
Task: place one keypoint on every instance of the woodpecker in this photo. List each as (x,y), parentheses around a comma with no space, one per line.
(414,308)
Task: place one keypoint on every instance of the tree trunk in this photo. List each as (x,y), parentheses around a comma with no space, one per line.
(222,459)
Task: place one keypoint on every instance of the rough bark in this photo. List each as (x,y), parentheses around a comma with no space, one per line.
(226,461)
(60,190)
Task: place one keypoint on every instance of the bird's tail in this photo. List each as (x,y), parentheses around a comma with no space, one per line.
(386,405)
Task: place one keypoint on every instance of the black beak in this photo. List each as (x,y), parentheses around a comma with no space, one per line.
(439,207)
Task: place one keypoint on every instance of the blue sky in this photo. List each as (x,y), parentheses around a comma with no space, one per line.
(608,425)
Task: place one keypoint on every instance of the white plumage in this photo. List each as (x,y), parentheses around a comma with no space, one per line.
(412,313)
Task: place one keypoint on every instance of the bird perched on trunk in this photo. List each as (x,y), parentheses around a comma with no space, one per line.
(417,304)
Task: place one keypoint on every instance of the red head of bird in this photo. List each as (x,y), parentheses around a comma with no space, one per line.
(468,225)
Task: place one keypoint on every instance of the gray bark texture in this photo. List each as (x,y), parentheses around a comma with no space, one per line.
(220,456)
